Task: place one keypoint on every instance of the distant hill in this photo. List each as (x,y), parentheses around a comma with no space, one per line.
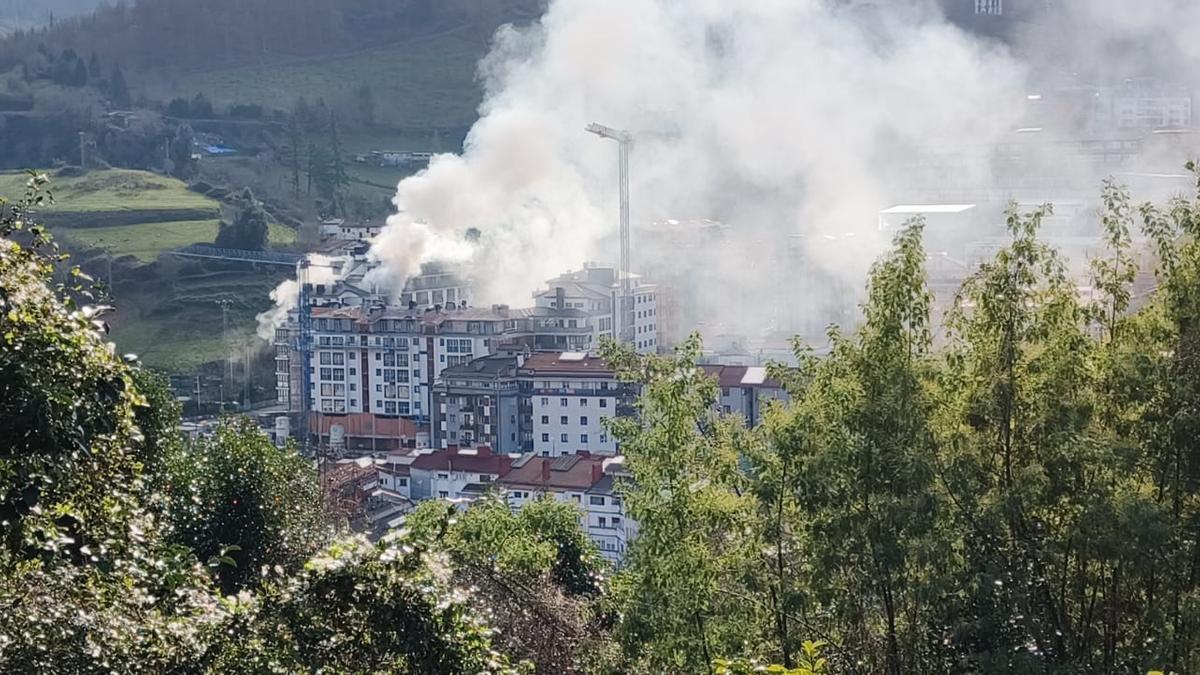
(187,35)
(25,14)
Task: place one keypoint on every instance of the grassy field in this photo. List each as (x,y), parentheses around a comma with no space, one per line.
(149,240)
(112,190)
(176,325)
(168,315)
(424,83)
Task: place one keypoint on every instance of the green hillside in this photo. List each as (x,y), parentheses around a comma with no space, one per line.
(422,83)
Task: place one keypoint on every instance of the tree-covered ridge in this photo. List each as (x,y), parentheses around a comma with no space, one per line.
(1020,498)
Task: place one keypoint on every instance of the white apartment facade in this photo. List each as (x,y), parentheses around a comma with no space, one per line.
(570,396)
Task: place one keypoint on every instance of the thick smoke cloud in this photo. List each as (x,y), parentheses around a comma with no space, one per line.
(782,118)
(286,297)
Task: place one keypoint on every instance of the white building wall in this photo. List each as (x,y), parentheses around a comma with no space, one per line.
(564,423)
(645,319)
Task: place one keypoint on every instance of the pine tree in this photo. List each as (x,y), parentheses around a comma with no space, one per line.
(118,89)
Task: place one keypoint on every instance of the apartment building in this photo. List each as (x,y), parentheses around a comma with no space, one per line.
(592,294)
(565,399)
(479,403)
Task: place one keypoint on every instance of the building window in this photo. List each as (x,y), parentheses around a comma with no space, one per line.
(596,501)
(603,521)
(443,476)
(545,438)
(603,403)
(583,402)
(564,438)
(616,522)
(583,421)
(545,419)
(564,420)
(583,438)
(562,402)
(442,494)
(545,401)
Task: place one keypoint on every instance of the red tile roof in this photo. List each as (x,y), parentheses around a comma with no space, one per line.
(572,472)
(480,460)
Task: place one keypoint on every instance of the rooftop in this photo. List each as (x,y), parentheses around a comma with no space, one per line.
(741,376)
(364,425)
(571,472)
(569,363)
(914,209)
(484,366)
(476,460)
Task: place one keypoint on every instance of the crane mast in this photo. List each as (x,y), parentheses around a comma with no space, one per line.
(625,299)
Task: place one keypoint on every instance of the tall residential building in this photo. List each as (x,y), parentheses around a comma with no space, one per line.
(479,403)
(565,399)
(591,295)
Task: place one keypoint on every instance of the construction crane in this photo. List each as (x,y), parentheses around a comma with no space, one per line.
(624,141)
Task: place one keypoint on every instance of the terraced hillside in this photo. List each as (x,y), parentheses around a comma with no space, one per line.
(169,312)
(125,212)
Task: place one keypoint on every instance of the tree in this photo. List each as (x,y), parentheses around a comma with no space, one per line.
(249,229)
(365,99)
(681,597)
(201,107)
(93,576)
(533,571)
(94,70)
(61,390)
(336,180)
(178,107)
(118,91)
(238,499)
(181,148)
(295,153)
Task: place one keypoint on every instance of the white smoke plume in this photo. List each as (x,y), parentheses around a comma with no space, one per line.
(783,118)
(286,296)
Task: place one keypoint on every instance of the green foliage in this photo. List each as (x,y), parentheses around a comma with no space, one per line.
(251,508)
(119,544)
(811,663)
(359,608)
(249,230)
(533,571)
(68,454)
(682,598)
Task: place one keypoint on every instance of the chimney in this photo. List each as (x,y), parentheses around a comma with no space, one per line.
(545,470)
(560,297)
(597,472)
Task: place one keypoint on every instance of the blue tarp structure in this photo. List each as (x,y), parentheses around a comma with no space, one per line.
(218,150)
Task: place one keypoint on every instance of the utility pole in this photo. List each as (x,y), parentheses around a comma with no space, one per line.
(82,150)
(228,376)
(625,311)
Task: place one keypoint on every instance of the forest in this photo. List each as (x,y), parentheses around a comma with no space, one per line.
(145,34)
(1018,495)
